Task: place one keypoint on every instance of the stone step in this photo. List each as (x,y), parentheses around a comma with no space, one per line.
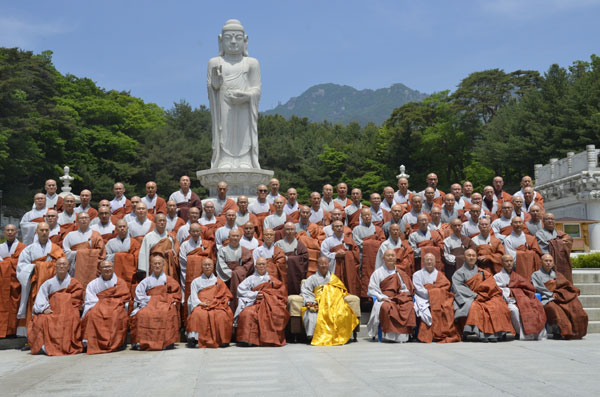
(593,313)
(589,288)
(590,300)
(586,276)
(593,327)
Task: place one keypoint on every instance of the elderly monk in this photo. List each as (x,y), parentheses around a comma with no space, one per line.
(432,182)
(434,304)
(379,216)
(243,216)
(55,328)
(489,203)
(470,227)
(173,221)
(467,189)
(193,218)
(534,224)
(523,248)
(393,308)
(10,293)
(429,201)
(185,198)
(536,197)
(526,311)
(404,253)
(291,207)
(192,253)
(336,215)
(123,251)
(436,225)
(158,241)
(530,199)
(403,195)
(296,257)
(249,240)
(104,318)
(564,312)
(261,207)
(341,201)
(155,321)
(328,319)
(131,216)
(51,219)
(36,264)
(409,220)
(368,237)
(30,220)
(208,220)
(558,244)
(273,190)
(460,203)
(311,235)
(327,202)
(120,205)
(518,209)
(67,219)
(454,248)
(84,249)
(489,249)
(53,200)
(477,199)
(141,225)
(449,212)
(317,214)
(261,315)
(276,258)
(387,202)
(105,228)
(478,305)
(500,194)
(276,220)
(153,202)
(85,197)
(210,323)
(424,241)
(222,233)
(222,202)
(344,258)
(234,263)
(396,213)
(502,226)
(352,212)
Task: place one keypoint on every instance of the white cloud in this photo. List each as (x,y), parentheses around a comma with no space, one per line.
(532,9)
(16,32)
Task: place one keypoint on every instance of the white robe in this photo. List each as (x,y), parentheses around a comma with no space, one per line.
(116,203)
(48,288)
(274,220)
(150,202)
(150,240)
(187,247)
(326,247)
(249,244)
(103,229)
(421,303)
(388,244)
(258,208)
(142,299)
(73,238)
(137,228)
(28,228)
(197,285)
(222,234)
(5,252)
(307,292)
(374,290)
(92,290)
(247,297)
(115,245)
(25,268)
(180,197)
(264,251)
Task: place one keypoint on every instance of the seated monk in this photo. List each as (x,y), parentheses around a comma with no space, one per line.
(403,195)
(36,264)
(67,220)
(10,293)
(155,322)
(209,221)
(51,218)
(185,198)
(454,248)
(141,225)
(55,328)
(173,221)
(296,257)
(183,233)
(489,249)
(410,219)
(352,212)
(30,220)
(328,319)
(86,196)
(104,318)
(318,215)
(397,211)
(120,205)
(336,215)
(276,259)
(423,241)
(523,248)
(311,235)
(526,311)
(461,204)
(556,243)
(470,227)
(84,249)
(478,305)
(564,312)
(210,323)
(153,202)
(344,258)
(192,253)
(434,304)
(405,255)
(103,225)
(435,223)
(159,241)
(249,240)
(234,264)
(502,226)
(261,315)
(291,208)
(393,308)
(367,237)
(222,233)
(123,251)
(534,224)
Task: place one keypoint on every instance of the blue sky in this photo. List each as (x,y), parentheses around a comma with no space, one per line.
(158,50)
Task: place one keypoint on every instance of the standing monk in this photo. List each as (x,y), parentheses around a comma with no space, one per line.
(10,293)
(523,248)
(120,205)
(30,220)
(103,225)
(558,244)
(173,221)
(86,196)
(223,203)
(353,210)
(185,198)
(154,203)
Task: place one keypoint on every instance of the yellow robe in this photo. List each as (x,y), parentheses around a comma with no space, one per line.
(335,319)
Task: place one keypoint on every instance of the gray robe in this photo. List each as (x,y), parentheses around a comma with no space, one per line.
(543,238)
(307,293)
(374,290)
(415,238)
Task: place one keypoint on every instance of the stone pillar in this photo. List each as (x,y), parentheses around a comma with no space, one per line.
(593,213)
(592,156)
(570,161)
(536,172)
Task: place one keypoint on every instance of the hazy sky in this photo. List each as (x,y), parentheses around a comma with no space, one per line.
(158,50)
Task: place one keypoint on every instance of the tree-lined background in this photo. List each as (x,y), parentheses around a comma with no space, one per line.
(496,122)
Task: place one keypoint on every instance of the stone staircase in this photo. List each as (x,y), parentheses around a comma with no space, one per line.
(588,281)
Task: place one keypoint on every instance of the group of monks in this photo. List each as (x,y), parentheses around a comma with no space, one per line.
(436,267)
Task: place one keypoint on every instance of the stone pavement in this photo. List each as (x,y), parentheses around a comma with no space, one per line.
(517,368)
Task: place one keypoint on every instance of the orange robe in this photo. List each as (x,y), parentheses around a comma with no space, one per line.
(10,292)
(124,210)
(529,257)
(88,258)
(493,255)
(566,310)
(369,256)
(347,267)
(398,315)
(214,322)
(442,328)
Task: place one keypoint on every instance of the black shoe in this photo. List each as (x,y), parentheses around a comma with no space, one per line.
(26,347)
(191,343)
(170,347)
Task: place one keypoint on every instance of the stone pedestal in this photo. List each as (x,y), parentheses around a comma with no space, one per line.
(241,181)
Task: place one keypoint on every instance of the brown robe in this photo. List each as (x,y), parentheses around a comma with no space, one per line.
(214,322)
(398,315)
(488,312)
(434,246)
(240,271)
(184,207)
(277,266)
(566,310)
(126,264)
(313,246)
(354,219)
(105,324)
(531,310)
(263,323)
(442,328)
(60,331)
(159,208)
(405,258)
(180,222)
(168,248)
(560,249)
(347,267)
(193,268)
(493,255)
(156,325)
(88,258)
(124,210)
(459,254)
(369,256)
(10,292)
(297,266)
(529,257)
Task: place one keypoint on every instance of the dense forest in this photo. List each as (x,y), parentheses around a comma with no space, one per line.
(493,123)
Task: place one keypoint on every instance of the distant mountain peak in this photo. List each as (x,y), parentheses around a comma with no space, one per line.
(344,104)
